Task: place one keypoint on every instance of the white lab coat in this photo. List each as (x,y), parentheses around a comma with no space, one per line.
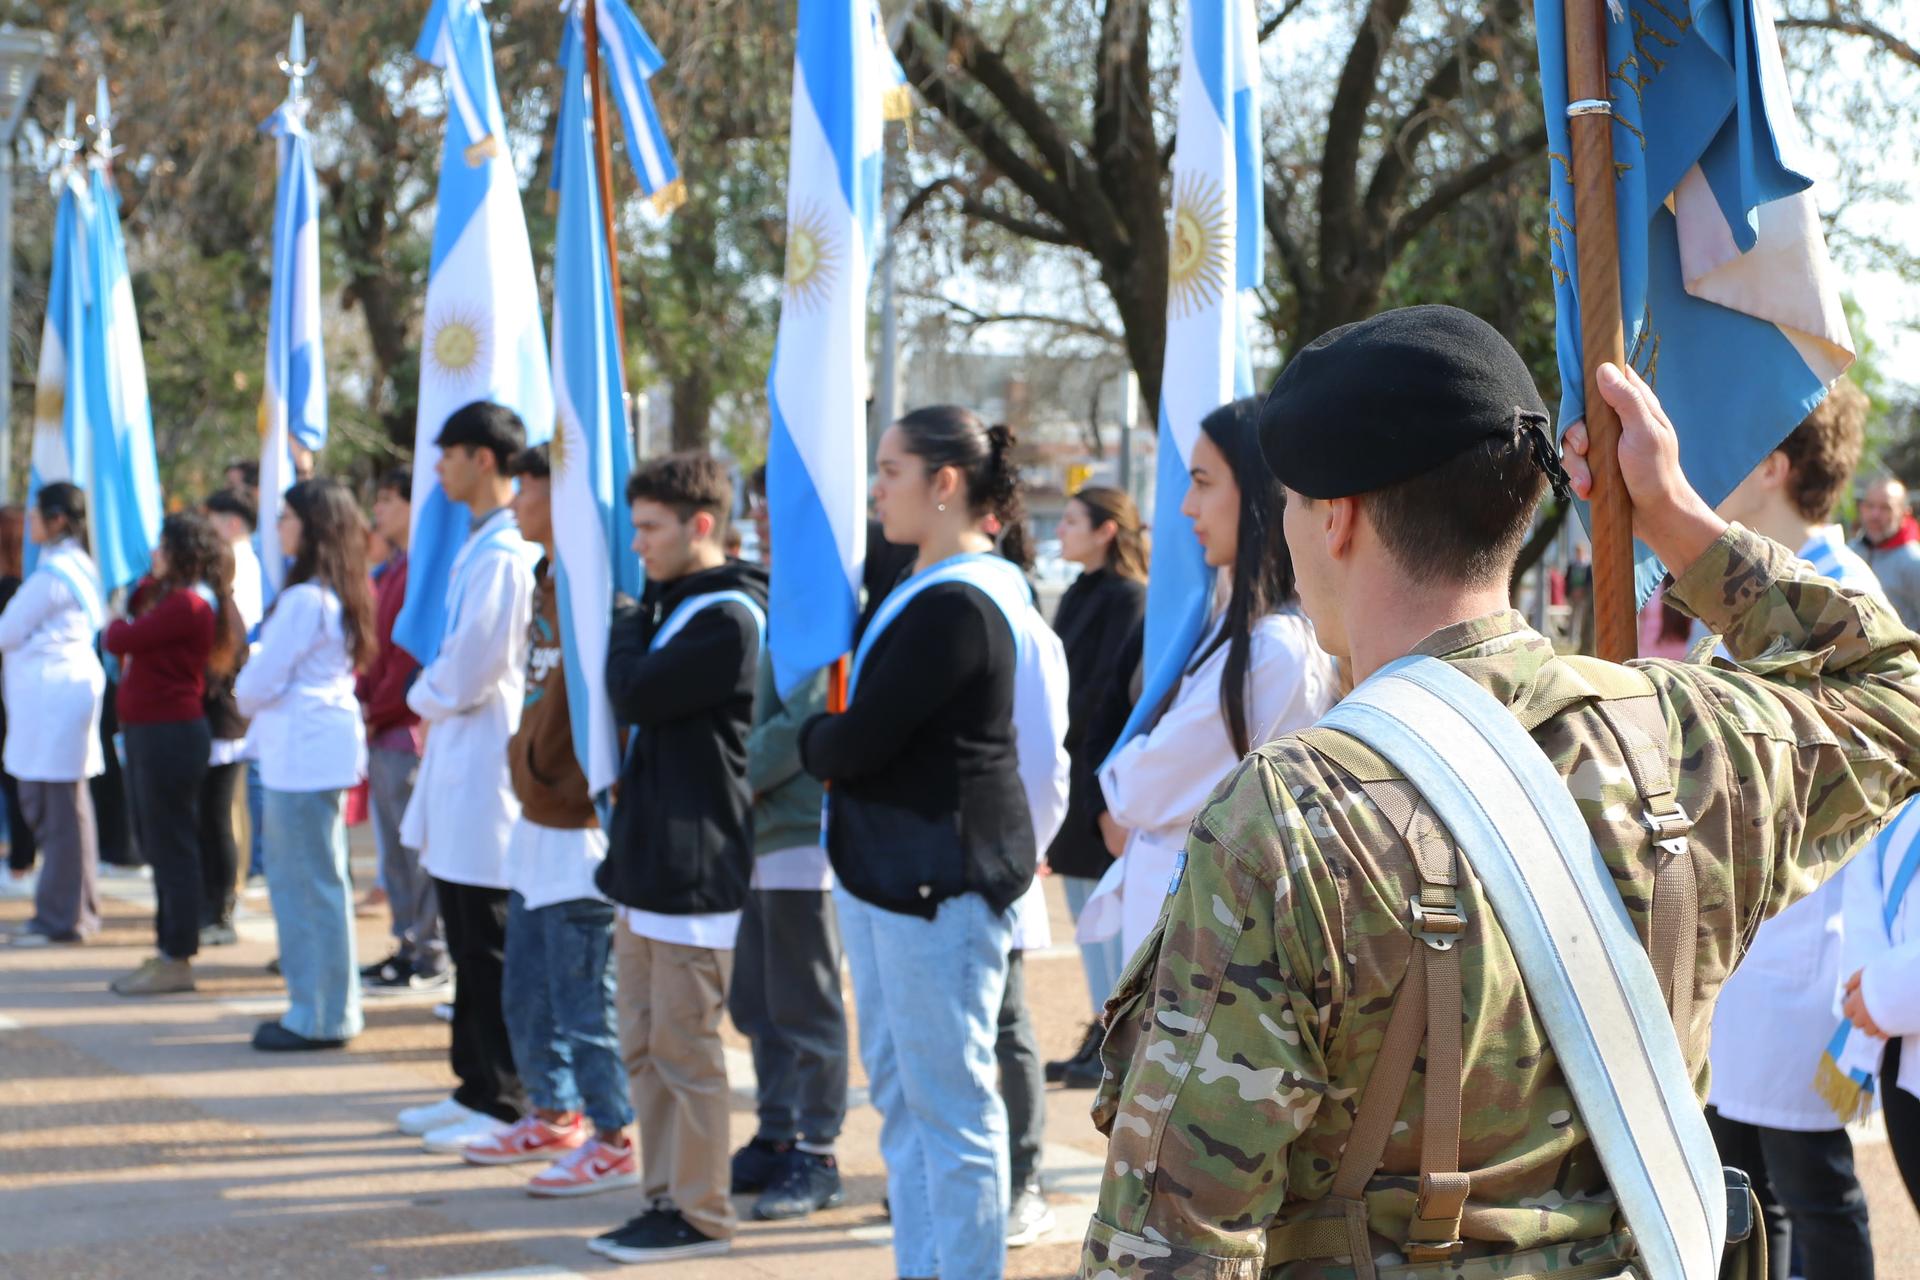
(463,808)
(1887,958)
(249,583)
(1156,784)
(1776,1014)
(1040,734)
(297,689)
(54,682)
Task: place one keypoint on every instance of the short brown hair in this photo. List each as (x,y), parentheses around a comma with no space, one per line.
(1823,451)
(687,482)
(1463,522)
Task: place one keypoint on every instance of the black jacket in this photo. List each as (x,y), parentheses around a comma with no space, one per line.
(926,802)
(681,838)
(1096,618)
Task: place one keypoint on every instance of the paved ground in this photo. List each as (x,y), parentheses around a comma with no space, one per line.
(143,1140)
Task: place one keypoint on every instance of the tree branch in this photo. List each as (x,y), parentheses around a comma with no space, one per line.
(1347,117)
(1272,24)
(1855,26)
(976,319)
(1032,229)
(1292,258)
(1408,226)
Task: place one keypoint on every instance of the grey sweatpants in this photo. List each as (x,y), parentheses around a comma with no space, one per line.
(786,1000)
(65,906)
(410,892)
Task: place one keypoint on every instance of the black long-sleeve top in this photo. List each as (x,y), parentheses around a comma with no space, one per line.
(926,802)
(1098,615)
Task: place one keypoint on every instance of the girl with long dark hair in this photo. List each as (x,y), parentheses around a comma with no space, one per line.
(1255,674)
(182,624)
(306,727)
(931,836)
(1100,530)
(54,688)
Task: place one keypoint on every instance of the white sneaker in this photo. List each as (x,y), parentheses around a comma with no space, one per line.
(420,1121)
(453,1139)
(17,886)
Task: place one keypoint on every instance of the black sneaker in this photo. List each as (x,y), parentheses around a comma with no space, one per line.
(662,1236)
(759,1164)
(1088,1054)
(397,961)
(604,1241)
(811,1182)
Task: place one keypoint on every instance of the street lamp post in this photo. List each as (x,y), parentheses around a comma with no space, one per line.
(21,53)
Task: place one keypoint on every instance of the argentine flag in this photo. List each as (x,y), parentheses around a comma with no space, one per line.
(62,440)
(628,59)
(1729,304)
(124,506)
(817,390)
(295,403)
(482,337)
(591,452)
(1214,265)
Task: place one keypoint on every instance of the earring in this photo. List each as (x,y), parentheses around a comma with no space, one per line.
(941,507)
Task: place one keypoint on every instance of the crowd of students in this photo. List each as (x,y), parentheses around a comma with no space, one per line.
(598,941)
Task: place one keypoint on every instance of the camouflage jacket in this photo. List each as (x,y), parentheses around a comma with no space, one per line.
(1245,1027)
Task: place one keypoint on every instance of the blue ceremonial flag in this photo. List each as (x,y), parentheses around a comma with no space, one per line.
(1213,267)
(124,507)
(817,389)
(62,433)
(294,406)
(1728,301)
(482,337)
(592,454)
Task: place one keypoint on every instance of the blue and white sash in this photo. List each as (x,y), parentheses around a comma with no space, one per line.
(76,572)
(498,531)
(1586,973)
(1000,580)
(1850,1063)
(684,611)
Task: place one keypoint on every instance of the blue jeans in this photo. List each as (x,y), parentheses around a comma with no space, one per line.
(928,994)
(1103,961)
(557,997)
(306,859)
(256,821)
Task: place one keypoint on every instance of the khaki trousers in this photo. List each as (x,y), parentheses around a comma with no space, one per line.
(671,999)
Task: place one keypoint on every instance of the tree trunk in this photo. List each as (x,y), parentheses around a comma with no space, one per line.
(692,410)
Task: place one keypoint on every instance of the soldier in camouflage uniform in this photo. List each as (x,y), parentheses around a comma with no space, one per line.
(1245,1030)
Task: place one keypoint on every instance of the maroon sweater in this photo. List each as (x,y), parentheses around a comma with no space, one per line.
(163,653)
(382,687)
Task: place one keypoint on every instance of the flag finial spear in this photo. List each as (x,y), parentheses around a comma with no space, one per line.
(294,63)
(101,119)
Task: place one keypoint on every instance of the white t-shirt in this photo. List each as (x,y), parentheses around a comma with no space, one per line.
(804,866)
(716,931)
(546,865)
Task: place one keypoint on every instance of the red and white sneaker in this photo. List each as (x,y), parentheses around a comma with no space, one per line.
(530,1138)
(597,1166)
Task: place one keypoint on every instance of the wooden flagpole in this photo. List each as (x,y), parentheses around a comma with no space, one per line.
(1590,124)
(603,162)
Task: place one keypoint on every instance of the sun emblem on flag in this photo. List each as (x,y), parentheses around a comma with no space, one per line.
(455,347)
(49,402)
(1197,261)
(560,447)
(813,259)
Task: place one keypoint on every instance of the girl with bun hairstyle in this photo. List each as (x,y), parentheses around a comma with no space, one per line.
(931,835)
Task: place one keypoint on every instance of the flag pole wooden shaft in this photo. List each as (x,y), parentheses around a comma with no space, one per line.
(1616,633)
(603,162)
(837,685)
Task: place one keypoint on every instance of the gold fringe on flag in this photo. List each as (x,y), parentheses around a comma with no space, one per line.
(896,102)
(485,149)
(669,197)
(1849,1100)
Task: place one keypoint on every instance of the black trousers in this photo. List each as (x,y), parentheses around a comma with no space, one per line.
(166,763)
(22,848)
(785,998)
(1023,1079)
(1810,1200)
(112,793)
(475,920)
(1903,1121)
(219,845)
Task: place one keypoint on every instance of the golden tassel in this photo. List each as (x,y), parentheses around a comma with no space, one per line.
(1848,1098)
(485,149)
(669,197)
(896,102)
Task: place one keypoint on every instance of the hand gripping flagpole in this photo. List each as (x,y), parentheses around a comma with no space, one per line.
(1590,123)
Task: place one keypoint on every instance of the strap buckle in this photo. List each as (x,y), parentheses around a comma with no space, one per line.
(1670,830)
(1438,926)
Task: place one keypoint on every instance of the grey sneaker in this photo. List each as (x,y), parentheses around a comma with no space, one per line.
(1030,1218)
(159,976)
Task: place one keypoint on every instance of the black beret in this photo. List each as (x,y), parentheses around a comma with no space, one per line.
(1386,399)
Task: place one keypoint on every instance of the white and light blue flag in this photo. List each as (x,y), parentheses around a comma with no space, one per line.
(294,405)
(124,507)
(817,390)
(591,451)
(628,59)
(1214,265)
(1728,300)
(62,430)
(482,338)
